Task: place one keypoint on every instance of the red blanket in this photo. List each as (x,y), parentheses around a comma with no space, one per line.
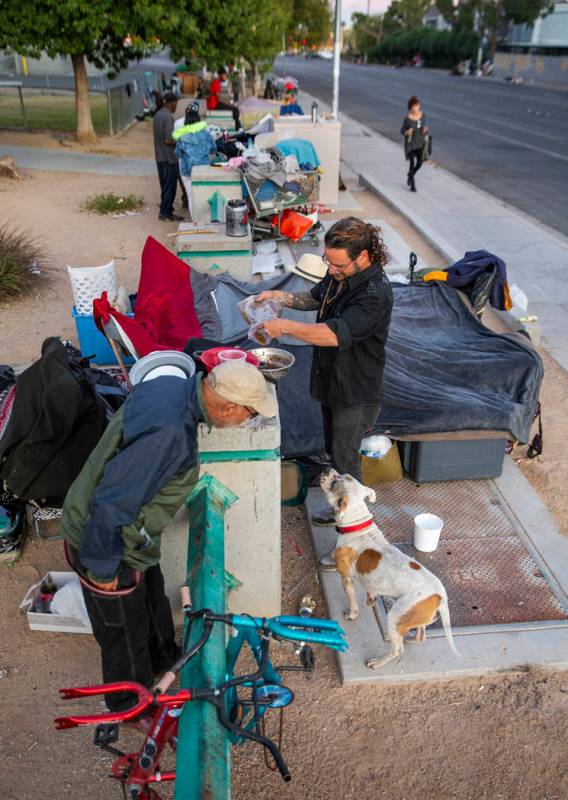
(164,313)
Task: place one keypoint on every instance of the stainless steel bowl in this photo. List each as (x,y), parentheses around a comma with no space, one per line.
(275,364)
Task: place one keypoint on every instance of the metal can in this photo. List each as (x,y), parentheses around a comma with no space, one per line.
(237,218)
(307,606)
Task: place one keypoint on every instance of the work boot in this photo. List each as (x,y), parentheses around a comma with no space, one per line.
(412,185)
(409,180)
(327,562)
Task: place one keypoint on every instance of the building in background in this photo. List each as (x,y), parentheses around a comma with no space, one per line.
(435,20)
(536,52)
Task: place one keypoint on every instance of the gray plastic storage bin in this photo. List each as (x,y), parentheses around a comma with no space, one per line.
(453,460)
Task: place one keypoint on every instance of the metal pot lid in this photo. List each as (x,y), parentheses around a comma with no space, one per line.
(161,358)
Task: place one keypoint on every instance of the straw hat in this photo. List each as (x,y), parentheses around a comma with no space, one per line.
(311,267)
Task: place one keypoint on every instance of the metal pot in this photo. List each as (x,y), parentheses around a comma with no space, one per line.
(237,218)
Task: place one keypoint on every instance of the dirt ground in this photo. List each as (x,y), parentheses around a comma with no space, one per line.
(502,738)
(136,142)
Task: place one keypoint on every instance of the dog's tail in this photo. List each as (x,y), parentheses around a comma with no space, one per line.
(445,617)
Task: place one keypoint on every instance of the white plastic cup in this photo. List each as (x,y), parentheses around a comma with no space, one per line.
(427,530)
(232,355)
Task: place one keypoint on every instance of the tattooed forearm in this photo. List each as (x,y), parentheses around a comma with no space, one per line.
(303,301)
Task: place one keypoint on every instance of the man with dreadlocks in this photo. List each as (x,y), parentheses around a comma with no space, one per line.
(354,303)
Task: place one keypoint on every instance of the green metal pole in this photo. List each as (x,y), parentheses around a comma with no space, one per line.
(203,763)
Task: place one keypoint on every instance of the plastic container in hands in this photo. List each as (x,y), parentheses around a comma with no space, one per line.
(232,355)
(427,530)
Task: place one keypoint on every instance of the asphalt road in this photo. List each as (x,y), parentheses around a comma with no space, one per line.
(510,140)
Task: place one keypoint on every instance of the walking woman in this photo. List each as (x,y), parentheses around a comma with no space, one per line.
(414,131)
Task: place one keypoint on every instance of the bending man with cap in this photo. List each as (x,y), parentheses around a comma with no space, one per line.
(133,483)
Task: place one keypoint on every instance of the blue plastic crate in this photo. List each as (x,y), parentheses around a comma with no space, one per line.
(92,342)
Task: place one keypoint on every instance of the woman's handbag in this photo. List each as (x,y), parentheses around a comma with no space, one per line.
(427,147)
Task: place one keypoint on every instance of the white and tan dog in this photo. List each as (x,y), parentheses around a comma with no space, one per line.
(363,551)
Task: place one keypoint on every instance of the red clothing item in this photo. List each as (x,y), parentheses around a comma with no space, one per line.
(214,92)
(164,314)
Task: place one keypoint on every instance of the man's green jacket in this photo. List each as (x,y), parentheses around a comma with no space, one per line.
(126,494)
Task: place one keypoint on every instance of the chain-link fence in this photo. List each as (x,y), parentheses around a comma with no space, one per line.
(123,96)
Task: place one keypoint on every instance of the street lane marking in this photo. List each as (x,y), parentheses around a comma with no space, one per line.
(540,150)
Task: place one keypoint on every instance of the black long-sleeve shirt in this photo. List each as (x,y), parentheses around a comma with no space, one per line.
(358,311)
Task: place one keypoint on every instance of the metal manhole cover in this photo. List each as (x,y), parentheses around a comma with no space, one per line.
(490,577)
(470,509)
(489,582)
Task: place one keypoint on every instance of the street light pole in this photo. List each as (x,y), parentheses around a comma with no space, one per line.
(336,60)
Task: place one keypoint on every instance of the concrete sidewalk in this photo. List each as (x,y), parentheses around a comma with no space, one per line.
(454,217)
(65,161)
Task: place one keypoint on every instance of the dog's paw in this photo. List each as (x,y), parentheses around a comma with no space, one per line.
(351,615)
(373,663)
(371,600)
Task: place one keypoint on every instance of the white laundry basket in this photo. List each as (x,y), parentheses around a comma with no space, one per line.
(88,283)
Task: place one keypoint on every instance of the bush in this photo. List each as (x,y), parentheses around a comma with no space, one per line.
(112,204)
(443,49)
(20,255)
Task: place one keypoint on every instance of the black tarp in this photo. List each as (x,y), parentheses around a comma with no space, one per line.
(445,372)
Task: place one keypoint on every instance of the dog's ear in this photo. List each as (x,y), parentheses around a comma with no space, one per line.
(370,494)
(342,503)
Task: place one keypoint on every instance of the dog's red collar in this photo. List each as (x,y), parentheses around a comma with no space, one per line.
(352,528)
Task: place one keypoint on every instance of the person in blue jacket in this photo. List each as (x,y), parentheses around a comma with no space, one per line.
(194,143)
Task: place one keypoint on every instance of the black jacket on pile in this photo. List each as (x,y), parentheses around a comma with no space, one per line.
(56,421)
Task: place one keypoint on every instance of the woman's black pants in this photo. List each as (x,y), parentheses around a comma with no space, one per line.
(414,163)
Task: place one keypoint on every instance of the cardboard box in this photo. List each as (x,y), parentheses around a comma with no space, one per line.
(54,623)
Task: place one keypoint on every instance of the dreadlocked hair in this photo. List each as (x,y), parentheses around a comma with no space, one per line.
(354,235)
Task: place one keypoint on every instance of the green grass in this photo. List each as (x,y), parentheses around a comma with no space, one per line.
(112,203)
(54,112)
(18,252)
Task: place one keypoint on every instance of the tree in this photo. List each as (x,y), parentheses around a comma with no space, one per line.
(227,31)
(309,22)
(405,15)
(489,17)
(366,32)
(98,31)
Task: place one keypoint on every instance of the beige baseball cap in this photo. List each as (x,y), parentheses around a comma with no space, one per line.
(244,384)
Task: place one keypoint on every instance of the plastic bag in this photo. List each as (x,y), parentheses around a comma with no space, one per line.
(375,446)
(294,225)
(520,301)
(69,602)
(256,314)
(253,312)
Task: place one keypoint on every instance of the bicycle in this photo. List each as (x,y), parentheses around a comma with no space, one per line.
(243,717)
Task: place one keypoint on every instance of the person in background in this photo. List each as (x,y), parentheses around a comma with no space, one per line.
(194,146)
(135,480)
(214,102)
(354,303)
(166,160)
(414,130)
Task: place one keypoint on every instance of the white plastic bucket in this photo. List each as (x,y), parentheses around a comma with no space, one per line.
(88,283)
(427,530)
